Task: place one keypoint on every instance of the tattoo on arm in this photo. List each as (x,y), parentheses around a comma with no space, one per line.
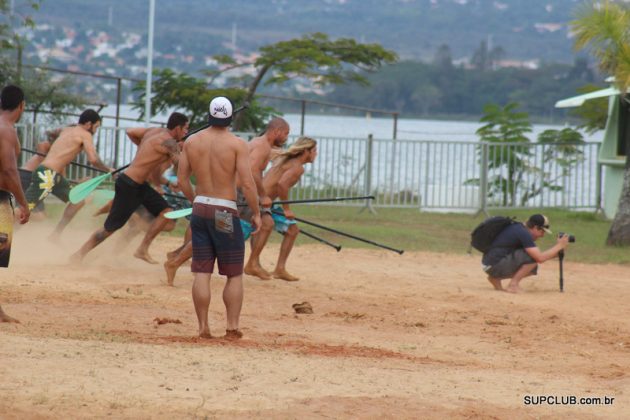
(171,147)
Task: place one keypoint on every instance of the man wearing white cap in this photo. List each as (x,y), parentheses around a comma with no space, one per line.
(216,157)
(514,255)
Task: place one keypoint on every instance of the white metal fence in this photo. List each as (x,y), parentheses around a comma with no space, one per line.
(428,175)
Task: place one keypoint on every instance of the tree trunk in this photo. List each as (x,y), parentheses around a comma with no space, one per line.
(619,233)
(250,95)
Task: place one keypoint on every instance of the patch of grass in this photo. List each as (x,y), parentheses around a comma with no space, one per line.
(412,230)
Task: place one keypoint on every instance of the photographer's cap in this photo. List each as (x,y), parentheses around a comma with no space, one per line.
(220,112)
(540,221)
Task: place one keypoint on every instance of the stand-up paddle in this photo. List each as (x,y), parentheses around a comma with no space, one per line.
(81,191)
(177,214)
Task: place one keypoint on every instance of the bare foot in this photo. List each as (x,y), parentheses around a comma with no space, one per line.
(144,256)
(513,289)
(6,318)
(257,271)
(496,283)
(284,275)
(170,273)
(205,334)
(75,259)
(233,334)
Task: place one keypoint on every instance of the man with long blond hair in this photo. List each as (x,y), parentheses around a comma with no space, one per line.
(286,171)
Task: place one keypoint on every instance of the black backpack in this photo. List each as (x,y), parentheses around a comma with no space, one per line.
(484,234)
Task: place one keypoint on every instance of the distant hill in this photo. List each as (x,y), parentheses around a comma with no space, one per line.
(109,36)
(525,29)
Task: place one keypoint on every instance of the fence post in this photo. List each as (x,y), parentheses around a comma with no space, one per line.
(368,174)
(483,181)
(303,114)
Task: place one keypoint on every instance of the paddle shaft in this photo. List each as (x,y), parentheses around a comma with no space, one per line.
(317,200)
(322,240)
(81,165)
(561,258)
(399,251)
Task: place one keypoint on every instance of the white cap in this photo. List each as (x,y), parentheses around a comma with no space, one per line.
(221,110)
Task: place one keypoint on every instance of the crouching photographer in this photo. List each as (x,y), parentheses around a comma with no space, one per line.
(513,253)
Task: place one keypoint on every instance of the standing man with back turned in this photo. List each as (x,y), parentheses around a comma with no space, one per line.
(216,157)
(11,108)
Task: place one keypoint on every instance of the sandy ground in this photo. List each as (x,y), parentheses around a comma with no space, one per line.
(415,336)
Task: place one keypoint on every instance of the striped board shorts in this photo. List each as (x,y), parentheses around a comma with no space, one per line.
(216,235)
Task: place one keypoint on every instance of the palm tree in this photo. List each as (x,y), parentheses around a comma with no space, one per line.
(604,28)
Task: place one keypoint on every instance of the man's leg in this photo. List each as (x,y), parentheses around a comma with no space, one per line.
(524,271)
(285,249)
(201,300)
(69,212)
(156,227)
(496,283)
(253,267)
(96,238)
(6,318)
(233,300)
(105,209)
(172,264)
(187,238)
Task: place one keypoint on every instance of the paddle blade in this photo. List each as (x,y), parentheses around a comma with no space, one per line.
(81,191)
(176,214)
(247,229)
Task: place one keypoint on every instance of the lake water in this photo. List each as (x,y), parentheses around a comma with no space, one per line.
(360,127)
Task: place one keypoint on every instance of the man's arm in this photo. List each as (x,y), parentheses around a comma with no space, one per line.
(9,171)
(170,148)
(183,175)
(136,134)
(286,182)
(258,161)
(542,256)
(93,158)
(247,183)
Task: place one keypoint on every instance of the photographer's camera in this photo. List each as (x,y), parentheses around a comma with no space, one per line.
(571,237)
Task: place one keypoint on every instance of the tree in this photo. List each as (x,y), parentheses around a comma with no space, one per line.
(41,91)
(504,126)
(513,179)
(314,57)
(605,28)
(191,96)
(593,113)
(443,58)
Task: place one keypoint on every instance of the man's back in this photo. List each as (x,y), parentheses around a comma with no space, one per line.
(66,148)
(212,154)
(513,237)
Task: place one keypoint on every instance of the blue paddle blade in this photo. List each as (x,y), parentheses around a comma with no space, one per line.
(247,229)
(176,214)
(81,191)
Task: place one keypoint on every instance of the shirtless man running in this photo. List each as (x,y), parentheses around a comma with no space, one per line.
(259,150)
(216,157)
(287,170)
(156,146)
(11,108)
(259,155)
(48,176)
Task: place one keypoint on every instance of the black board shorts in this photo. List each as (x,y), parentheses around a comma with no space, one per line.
(129,195)
(6,228)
